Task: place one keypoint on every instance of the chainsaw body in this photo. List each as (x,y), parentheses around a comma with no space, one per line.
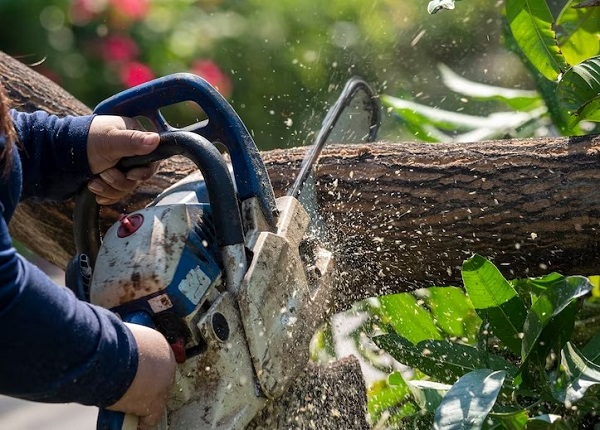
(234,278)
(234,350)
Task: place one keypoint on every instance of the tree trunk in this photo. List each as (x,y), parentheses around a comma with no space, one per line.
(400,215)
(405,215)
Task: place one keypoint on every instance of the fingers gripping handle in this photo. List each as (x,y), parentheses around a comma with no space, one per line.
(223,200)
(223,125)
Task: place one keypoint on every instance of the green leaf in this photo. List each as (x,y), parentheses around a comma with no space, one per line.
(469,401)
(552,305)
(516,99)
(428,394)
(387,393)
(578,32)
(556,334)
(545,87)
(453,312)
(531,24)
(443,361)
(485,285)
(535,286)
(513,420)
(423,118)
(495,300)
(591,350)
(431,358)
(418,113)
(408,319)
(578,91)
(577,376)
(425,132)
(547,422)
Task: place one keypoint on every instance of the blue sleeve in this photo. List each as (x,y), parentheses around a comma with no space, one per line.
(53,154)
(53,347)
(56,348)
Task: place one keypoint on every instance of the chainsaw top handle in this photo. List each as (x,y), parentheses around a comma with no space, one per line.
(221,192)
(223,125)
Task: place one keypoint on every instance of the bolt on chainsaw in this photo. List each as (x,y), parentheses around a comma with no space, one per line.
(231,276)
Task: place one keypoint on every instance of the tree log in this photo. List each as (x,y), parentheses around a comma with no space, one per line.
(405,215)
(400,215)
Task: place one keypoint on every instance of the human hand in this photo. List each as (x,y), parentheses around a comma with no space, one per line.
(111,138)
(148,393)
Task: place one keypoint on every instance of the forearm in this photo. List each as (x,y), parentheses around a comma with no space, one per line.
(56,348)
(53,153)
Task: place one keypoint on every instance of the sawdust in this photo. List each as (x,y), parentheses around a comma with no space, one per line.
(330,397)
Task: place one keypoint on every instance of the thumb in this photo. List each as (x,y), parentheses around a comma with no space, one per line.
(126,143)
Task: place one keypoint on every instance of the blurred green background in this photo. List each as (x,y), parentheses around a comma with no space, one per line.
(280,63)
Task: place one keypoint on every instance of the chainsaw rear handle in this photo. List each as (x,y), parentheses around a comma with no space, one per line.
(223,201)
(208,159)
(223,125)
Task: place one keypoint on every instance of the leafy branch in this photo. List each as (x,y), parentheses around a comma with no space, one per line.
(563,56)
(518,368)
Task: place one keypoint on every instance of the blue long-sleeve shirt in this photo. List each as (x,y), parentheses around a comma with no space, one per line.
(53,347)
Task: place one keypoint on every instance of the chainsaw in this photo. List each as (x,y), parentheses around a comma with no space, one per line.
(234,278)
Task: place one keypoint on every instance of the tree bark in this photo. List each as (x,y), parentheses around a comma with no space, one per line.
(400,215)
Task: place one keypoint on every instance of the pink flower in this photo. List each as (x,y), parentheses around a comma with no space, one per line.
(135,73)
(83,11)
(133,9)
(118,49)
(212,73)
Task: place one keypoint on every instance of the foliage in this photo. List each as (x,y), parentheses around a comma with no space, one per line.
(281,63)
(507,355)
(562,55)
(528,366)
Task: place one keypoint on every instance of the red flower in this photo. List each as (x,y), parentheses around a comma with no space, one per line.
(118,49)
(133,9)
(213,75)
(135,73)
